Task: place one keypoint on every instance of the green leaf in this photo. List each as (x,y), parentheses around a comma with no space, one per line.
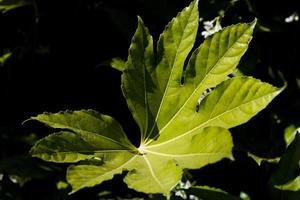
(151,174)
(64,147)
(259,159)
(209,65)
(154,81)
(289,164)
(22,169)
(290,133)
(61,185)
(285,181)
(4,56)
(7,5)
(231,103)
(197,149)
(209,193)
(183,124)
(88,175)
(95,128)
(118,64)
(293,185)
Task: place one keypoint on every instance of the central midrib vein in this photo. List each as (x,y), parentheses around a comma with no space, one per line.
(208,121)
(183,155)
(200,84)
(166,89)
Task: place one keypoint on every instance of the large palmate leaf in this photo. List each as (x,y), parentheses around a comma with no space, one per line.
(182,125)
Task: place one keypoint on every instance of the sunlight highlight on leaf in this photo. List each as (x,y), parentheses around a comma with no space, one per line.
(183,106)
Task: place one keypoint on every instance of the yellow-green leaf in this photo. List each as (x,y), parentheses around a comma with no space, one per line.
(183,112)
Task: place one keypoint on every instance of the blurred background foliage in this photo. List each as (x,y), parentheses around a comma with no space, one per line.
(52,56)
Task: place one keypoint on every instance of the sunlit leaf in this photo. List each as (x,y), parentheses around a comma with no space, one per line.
(290,133)
(183,112)
(97,129)
(64,147)
(89,174)
(259,159)
(293,185)
(118,64)
(61,185)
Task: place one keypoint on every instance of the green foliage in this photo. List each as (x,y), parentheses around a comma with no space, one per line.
(284,182)
(285,179)
(21,169)
(7,5)
(290,133)
(118,64)
(209,193)
(4,57)
(182,125)
(293,185)
(259,160)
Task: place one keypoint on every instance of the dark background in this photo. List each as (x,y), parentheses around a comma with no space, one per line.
(59,50)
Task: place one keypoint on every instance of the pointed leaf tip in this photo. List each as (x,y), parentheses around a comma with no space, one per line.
(195,2)
(254,21)
(140,20)
(141,23)
(118,64)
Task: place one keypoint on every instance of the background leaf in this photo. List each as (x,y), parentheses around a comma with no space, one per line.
(7,5)
(118,64)
(205,192)
(285,179)
(293,185)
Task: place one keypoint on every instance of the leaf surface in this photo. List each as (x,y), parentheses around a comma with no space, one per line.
(90,174)
(151,174)
(97,129)
(209,65)
(146,85)
(195,150)
(118,64)
(293,185)
(290,133)
(231,103)
(259,159)
(64,147)
(183,111)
